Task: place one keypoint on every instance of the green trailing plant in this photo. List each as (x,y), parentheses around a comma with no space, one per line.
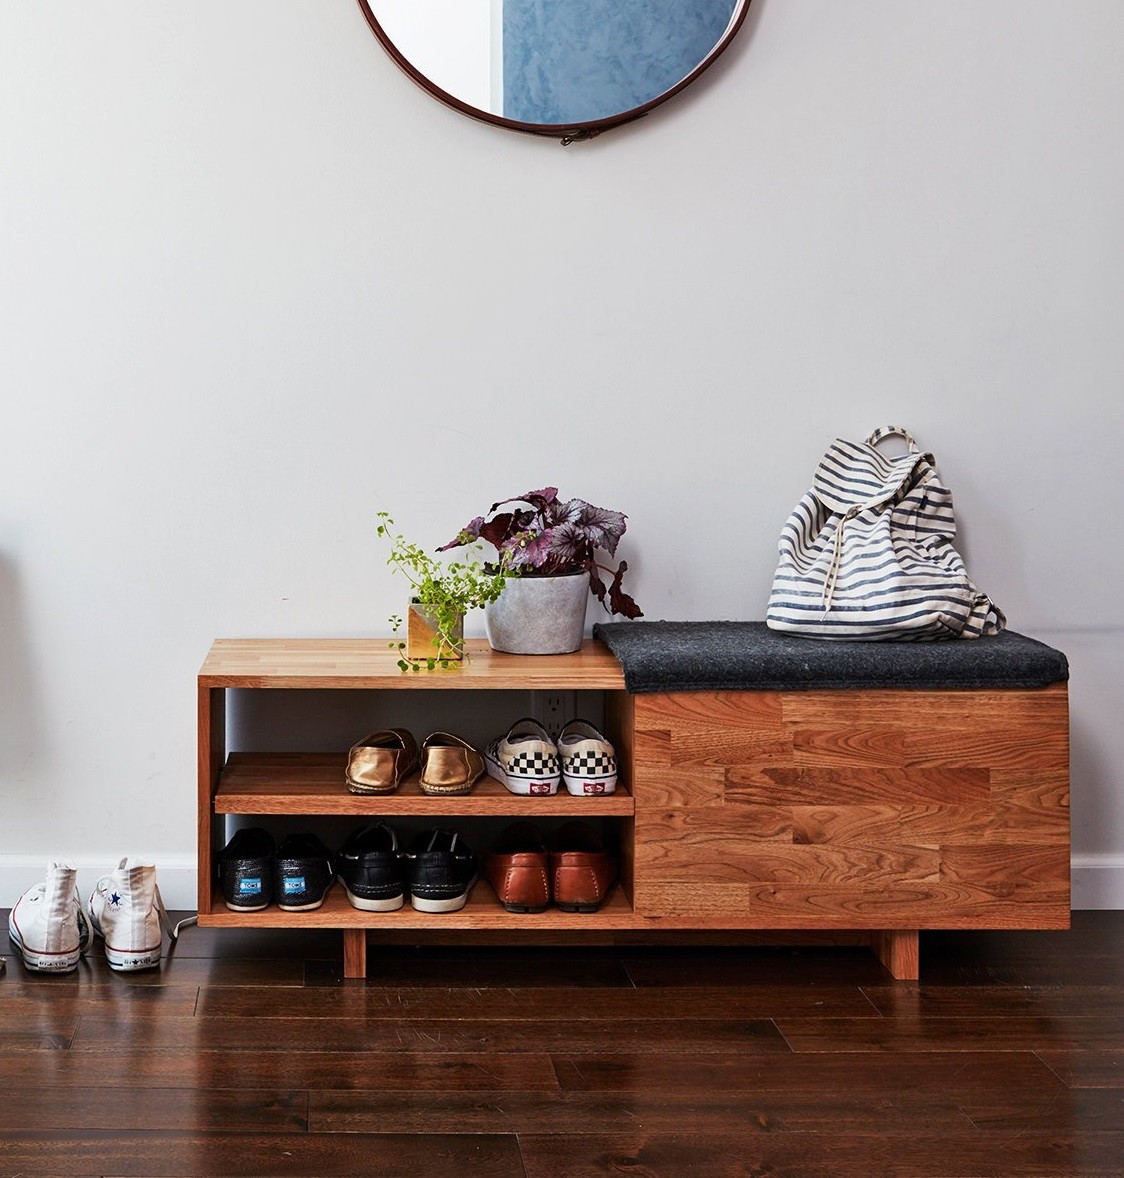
(447,590)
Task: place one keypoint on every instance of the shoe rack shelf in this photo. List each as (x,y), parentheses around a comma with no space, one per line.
(311,784)
(812,812)
(483,911)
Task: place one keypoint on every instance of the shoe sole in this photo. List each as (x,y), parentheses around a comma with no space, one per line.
(127,960)
(301,907)
(311,907)
(43,962)
(392,904)
(586,786)
(246,907)
(446,790)
(448,904)
(524,786)
(371,789)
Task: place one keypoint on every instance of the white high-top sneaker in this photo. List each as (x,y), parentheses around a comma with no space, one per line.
(47,924)
(126,910)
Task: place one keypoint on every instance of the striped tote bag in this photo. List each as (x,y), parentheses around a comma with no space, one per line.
(868,553)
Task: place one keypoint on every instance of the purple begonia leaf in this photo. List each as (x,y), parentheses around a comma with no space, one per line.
(528,550)
(470,532)
(619,601)
(539,500)
(596,584)
(498,529)
(603,527)
(571,544)
(568,512)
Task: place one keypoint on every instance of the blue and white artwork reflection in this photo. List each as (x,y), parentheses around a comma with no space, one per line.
(555,62)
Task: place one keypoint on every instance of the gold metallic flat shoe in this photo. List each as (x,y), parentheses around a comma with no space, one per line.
(449,765)
(379,762)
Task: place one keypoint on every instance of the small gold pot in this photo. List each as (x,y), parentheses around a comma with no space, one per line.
(422,641)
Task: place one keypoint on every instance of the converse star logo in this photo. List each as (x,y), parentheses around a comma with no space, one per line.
(115,900)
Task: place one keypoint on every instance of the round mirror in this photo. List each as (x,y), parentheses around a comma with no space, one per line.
(569,68)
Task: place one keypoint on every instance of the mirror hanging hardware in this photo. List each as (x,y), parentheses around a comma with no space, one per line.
(582,136)
(535,68)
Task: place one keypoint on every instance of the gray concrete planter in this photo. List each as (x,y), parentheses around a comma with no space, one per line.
(539,615)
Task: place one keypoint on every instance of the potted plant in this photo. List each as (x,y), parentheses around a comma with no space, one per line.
(442,593)
(547,550)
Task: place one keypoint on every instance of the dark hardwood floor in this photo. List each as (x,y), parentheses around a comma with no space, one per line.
(248,1054)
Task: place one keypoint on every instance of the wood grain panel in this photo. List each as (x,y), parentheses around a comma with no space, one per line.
(482,912)
(1044,791)
(936,709)
(786,864)
(714,828)
(1004,870)
(702,746)
(847,745)
(313,783)
(901,905)
(996,748)
(365,663)
(651,746)
(769,785)
(710,709)
(889,811)
(663,787)
(926,826)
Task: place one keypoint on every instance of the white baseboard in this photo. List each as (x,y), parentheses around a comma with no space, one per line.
(1097,880)
(175,876)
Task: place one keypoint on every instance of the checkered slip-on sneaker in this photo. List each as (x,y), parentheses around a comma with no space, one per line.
(525,759)
(589,763)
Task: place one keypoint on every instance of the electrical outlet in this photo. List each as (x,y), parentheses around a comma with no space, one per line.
(553,710)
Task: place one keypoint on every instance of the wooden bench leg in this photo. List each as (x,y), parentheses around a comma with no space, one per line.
(898,952)
(354,952)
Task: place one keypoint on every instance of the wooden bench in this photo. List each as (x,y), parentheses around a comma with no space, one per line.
(785,783)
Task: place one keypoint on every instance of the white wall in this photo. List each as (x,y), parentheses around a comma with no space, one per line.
(255,286)
(448,41)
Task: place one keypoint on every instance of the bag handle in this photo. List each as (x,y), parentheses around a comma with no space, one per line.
(894,431)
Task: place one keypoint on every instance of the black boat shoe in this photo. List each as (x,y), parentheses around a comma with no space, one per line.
(303,873)
(371,869)
(245,868)
(442,870)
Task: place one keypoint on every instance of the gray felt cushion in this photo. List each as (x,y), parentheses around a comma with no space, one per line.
(748,656)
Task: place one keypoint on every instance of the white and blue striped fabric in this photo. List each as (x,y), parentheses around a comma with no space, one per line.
(868,553)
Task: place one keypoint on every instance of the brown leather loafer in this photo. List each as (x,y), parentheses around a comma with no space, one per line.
(517,869)
(581,870)
(379,762)
(449,765)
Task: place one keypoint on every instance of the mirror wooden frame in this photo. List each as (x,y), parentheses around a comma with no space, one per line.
(568,133)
